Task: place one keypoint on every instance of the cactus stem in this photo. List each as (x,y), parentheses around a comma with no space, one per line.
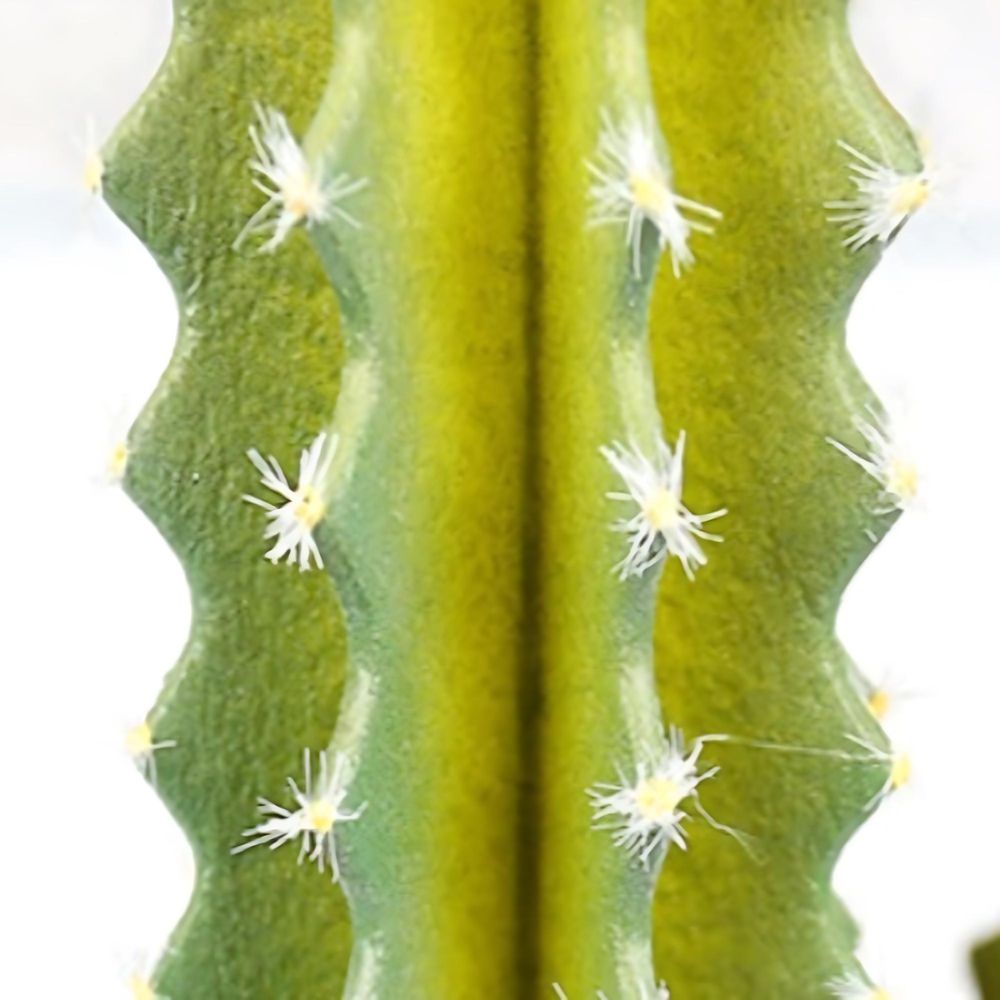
(887,461)
(315,821)
(663,527)
(297,190)
(632,185)
(292,524)
(635,967)
(142,748)
(899,767)
(885,200)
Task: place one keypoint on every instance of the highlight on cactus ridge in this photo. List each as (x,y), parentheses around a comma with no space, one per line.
(442,253)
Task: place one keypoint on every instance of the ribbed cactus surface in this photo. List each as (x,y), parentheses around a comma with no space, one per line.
(564,364)
(750,358)
(256,363)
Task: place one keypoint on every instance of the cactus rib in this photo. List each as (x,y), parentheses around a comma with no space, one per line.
(750,358)
(256,363)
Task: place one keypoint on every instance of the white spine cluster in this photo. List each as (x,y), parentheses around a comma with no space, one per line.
(319,810)
(885,199)
(292,523)
(297,190)
(632,186)
(662,526)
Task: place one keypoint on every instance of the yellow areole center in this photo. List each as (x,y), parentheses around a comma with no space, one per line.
(878,703)
(657,799)
(903,479)
(902,771)
(880,994)
(139,740)
(140,989)
(300,195)
(320,816)
(117,460)
(649,193)
(662,510)
(910,194)
(310,508)
(93,172)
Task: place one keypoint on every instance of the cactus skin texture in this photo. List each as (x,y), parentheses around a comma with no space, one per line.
(256,363)
(750,358)
(986,963)
(424,535)
(492,344)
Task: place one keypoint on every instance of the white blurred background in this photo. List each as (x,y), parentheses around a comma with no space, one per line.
(93,874)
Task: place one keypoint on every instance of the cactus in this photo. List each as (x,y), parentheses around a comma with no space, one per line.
(986,962)
(489,189)
(256,359)
(750,358)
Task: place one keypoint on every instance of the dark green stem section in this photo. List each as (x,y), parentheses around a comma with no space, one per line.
(255,365)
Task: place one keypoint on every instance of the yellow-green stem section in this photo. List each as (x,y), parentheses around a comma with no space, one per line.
(750,359)
(594,387)
(425,531)
(986,962)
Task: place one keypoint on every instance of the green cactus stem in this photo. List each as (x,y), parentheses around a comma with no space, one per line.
(493,479)
(424,535)
(595,391)
(986,963)
(256,363)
